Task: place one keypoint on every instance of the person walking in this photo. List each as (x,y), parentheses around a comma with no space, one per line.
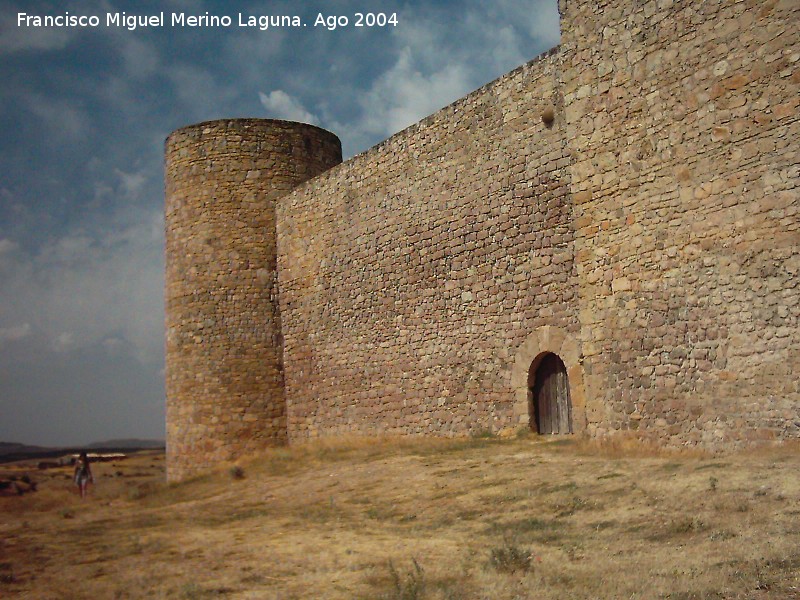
(83,474)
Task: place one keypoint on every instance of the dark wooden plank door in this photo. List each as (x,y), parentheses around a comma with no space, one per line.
(551,396)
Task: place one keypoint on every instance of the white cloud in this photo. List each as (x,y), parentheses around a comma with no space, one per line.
(282,106)
(404,95)
(14,38)
(7,246)
(132,183)
(63,342)
(85,288)
(441,56)
(63,120)
(540,19)
(17,332)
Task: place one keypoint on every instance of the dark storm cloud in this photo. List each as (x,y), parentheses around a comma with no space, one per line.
(84,113)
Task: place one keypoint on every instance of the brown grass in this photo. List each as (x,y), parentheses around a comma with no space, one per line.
(417,518)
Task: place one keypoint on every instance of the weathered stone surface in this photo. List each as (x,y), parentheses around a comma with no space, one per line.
(411,274)
(648,235)
(224,367)
(712,300)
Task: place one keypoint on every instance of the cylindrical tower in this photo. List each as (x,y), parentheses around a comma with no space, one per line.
(224,371)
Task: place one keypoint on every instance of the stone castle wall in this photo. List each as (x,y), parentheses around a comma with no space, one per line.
(410,275)
(648,236)
(683,120)
(224,363)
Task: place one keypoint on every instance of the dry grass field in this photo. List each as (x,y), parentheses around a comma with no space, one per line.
(410,519)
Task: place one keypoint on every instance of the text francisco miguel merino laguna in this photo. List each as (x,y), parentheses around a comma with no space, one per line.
(131,22)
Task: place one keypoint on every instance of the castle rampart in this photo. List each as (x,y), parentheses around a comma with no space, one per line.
(604,239)
(433,257)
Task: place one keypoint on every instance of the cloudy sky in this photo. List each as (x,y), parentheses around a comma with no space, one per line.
(84,112)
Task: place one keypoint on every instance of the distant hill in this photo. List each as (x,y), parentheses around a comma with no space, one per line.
(130,443)
(14,448)
(11,451)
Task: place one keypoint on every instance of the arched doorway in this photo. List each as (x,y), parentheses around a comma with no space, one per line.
(549,402)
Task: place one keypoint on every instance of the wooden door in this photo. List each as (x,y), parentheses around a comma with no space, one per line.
(551,402)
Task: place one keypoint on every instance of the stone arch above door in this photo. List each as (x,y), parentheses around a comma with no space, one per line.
(565,345)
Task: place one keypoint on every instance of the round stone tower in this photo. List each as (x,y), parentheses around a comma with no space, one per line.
(224,371)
